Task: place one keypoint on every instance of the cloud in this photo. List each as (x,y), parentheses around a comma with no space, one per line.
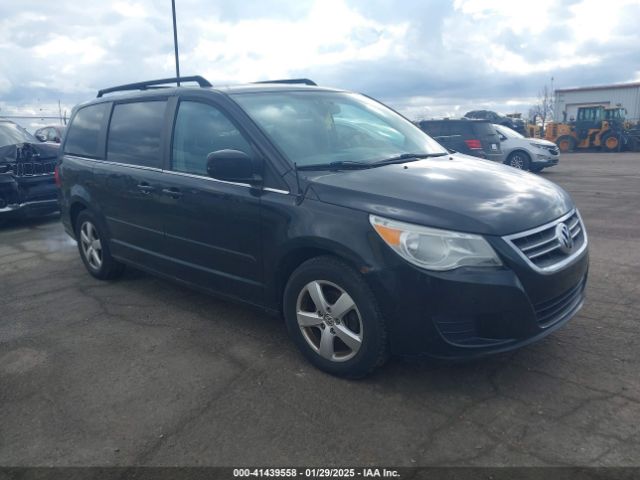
(425,58)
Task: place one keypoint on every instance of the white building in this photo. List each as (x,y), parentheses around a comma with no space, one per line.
(623,95)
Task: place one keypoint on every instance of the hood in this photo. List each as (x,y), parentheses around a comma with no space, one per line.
(544,143)
(28,152)
(450,192)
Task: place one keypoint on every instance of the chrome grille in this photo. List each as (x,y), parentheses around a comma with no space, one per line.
(541,248)
(31,169)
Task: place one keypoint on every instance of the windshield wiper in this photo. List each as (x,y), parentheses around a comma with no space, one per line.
(342,164)
(407,157)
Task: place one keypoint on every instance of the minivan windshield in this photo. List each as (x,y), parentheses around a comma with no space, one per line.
(11,134)
(336,129)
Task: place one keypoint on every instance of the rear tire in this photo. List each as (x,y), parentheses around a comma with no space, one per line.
(566,143)
(520,160)
(610,142)
(94,248)
(334,319)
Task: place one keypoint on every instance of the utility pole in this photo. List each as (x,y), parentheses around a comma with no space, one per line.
(175,41)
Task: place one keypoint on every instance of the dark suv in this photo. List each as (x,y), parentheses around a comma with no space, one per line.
(327,207)
(477,138)
(27,186)
(516,124)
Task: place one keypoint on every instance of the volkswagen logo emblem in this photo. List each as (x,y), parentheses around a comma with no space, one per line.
(563,235)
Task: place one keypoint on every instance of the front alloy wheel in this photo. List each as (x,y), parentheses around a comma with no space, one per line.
(329,321)
(519,160)
(334,318)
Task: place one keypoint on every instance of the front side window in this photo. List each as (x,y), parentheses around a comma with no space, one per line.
(135,133)
(200,130)
(52,135)
(84,131)
(319,128)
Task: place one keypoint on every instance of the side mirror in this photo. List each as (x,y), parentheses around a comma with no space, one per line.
(56,139)
(233,166)
(41,137)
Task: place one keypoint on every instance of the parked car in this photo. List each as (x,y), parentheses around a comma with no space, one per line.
(516,124)
(27,185)
(50,133)
(477,138)
(530,154)
(326,207)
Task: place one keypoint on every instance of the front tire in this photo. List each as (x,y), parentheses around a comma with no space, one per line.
(520,160)
(94,249)
(334,319)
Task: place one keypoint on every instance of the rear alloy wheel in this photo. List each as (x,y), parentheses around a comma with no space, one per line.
(610,142)
(94,249)
(519,160)
(566,143)
(91,245)
(333,318)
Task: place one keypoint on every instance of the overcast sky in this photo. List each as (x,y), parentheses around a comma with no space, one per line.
(426,58)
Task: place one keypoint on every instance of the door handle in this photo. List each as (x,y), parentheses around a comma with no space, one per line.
(145,188)
(172,192)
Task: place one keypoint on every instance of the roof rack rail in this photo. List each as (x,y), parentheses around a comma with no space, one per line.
(303,81)
(203,82)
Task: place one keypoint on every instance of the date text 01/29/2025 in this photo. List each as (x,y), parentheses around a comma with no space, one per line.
(316,472)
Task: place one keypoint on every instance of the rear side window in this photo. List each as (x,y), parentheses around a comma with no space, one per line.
(83,137)
(432,129)
(461,128)
(483,129)
(135,133)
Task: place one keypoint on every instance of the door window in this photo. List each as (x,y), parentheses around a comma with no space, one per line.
(84,132)
(201,129)
(135,133)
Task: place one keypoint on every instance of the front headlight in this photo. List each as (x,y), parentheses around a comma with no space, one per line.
(435,249)
(544,147)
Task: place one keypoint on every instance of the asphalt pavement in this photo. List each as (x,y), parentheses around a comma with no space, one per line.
(144,372)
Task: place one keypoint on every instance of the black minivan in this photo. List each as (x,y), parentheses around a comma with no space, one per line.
(324,206)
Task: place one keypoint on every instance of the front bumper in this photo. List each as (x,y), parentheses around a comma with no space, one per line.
(473,312)
(27,196)
(29,209)
(544,160)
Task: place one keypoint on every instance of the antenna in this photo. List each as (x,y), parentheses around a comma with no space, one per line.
(175,41)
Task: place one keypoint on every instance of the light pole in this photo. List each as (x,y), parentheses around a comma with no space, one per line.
(175,41)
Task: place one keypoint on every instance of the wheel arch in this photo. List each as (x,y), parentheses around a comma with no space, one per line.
(77,205)
(518,150)
(305,249)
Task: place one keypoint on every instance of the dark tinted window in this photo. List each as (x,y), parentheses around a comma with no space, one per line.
(134,133)
(432,129)
(484,129)
(201,129)
(84,132)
